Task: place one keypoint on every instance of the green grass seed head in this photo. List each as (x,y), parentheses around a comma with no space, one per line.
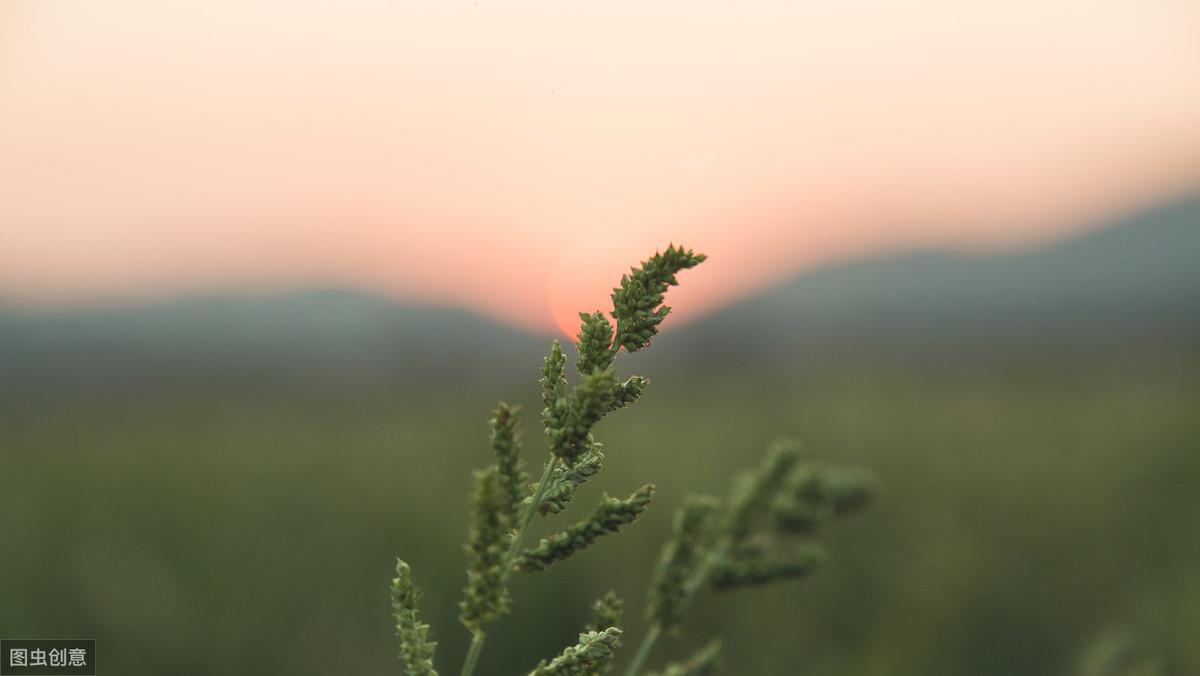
(711,547)
(416,649)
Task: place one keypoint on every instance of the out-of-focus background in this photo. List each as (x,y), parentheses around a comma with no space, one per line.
(265,267)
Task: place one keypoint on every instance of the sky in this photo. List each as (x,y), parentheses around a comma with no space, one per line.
(513,157)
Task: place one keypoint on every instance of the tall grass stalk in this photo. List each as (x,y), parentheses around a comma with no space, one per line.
(715,546)
(478,638)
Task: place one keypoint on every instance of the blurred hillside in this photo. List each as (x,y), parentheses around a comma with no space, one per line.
(1124,285)
(1129,282)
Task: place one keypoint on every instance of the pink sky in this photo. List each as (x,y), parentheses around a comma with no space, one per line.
(513,157)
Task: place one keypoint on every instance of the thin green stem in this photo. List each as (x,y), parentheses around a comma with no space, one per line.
(700,576)
(514,548)
(690,588)
(643,651)
(477,640)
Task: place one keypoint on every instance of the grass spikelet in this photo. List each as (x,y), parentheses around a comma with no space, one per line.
(607,612)
(485,596)
(564,480)
(609,517)
(762,569)
(595,343)
(416,650)
(508,457)
(638,301)
(594,650)
(754,492)
(680,556)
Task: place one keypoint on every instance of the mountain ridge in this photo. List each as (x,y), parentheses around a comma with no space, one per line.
(1138,277)
(1135,281)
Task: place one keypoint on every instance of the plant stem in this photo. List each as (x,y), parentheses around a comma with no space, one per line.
(514,548)
(473,653)
(700,576)
(643,650)
(690,588)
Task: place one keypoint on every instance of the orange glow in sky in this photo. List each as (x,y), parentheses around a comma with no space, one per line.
(515,156)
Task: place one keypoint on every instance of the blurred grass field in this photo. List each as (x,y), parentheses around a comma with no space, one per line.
(252,531)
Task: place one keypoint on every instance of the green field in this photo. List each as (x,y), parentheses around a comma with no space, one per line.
(1025,514)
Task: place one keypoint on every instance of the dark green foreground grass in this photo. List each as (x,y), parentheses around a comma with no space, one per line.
(216,529)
